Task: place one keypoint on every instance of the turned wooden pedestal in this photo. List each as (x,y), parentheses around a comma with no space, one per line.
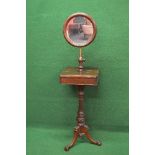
(86,77)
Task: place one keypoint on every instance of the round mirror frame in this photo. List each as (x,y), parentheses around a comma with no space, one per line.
(83,15)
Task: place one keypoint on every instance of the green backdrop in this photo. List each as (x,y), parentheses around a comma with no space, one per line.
(52,107)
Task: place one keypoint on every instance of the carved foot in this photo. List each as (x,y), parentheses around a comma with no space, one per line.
(67,148)
(98,143)
(92,140)
(73,142)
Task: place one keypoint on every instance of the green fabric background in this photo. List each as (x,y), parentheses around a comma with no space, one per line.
(51,107)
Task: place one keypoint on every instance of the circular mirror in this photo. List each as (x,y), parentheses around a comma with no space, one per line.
(79,29)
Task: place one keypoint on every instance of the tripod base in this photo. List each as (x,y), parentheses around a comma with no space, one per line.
(79,131)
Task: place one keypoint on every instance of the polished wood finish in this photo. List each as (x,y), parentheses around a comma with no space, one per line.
(72,76)
(81,61)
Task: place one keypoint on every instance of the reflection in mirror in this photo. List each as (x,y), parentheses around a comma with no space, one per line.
(80,30)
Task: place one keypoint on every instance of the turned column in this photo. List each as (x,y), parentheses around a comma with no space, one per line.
(80,114)
(81,61)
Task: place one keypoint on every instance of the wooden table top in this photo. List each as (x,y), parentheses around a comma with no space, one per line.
(72,76)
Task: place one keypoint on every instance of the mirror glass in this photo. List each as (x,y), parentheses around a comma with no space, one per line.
(79,31)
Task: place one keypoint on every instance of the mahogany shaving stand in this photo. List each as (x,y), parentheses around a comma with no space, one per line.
(80,77)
